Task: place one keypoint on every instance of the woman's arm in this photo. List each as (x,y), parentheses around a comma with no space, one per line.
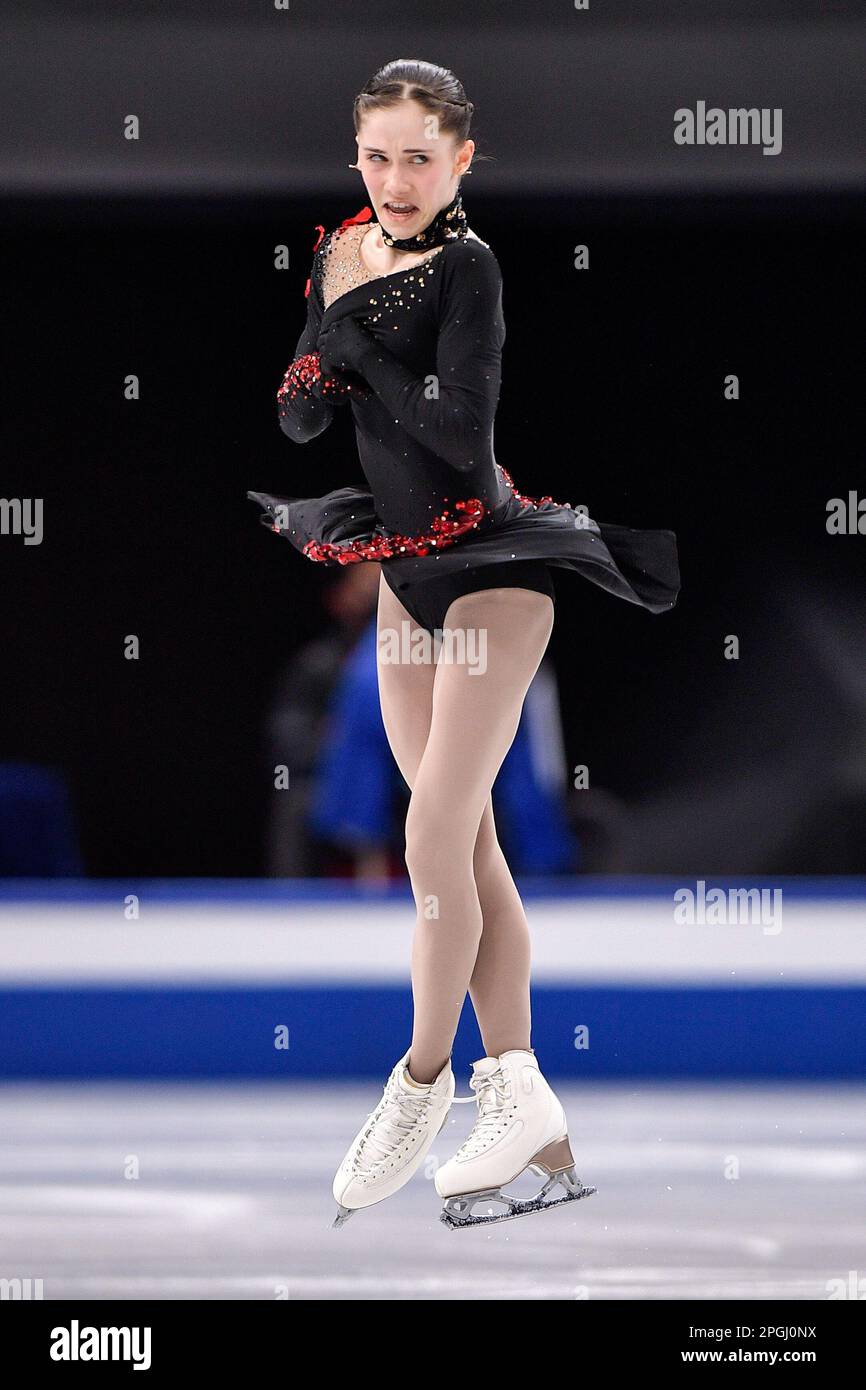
(452,411)
(306,399)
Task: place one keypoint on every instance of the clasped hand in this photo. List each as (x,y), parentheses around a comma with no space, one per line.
(342,345)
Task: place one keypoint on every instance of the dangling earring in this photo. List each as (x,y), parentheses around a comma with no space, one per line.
(353,166)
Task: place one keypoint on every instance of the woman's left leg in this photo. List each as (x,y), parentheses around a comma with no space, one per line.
(473,723)
(499,988)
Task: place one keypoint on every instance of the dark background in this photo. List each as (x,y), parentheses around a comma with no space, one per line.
(612,396)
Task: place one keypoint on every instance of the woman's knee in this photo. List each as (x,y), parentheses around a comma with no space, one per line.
(439,838)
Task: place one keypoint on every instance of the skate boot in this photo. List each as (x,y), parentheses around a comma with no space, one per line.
(393,1140)
(521,1126)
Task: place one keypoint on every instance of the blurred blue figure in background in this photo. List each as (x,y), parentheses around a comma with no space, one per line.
(38,827)
(358,790)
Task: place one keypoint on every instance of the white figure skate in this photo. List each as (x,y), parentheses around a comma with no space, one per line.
(393,1140)
(521,1126)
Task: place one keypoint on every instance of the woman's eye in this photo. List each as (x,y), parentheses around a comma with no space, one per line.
(423,157)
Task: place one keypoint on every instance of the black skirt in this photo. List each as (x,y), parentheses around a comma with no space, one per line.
(640,566)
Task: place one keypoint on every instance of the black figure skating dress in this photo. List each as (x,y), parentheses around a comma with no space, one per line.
(416,356)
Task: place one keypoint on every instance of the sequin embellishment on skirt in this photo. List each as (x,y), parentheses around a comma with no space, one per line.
(446,529)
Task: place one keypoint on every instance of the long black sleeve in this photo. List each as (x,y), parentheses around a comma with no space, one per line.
(453,414)
(303,415)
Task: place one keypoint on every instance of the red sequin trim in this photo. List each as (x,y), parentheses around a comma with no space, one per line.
(533,501)
(302,374)
(445,530)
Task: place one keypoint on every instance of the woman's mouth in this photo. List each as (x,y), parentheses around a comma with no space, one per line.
(401,212)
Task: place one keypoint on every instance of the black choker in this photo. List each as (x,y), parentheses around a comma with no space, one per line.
(449,224)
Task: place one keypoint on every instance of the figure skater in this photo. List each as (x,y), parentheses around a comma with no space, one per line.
(405,327)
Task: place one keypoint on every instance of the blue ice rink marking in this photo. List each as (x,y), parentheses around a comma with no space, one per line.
(340,1032)
(196,986)
(333,891)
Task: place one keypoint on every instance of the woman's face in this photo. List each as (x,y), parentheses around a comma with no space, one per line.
(404,160)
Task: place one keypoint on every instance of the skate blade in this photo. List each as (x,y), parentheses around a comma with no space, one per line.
(343,1214)
(457,1213)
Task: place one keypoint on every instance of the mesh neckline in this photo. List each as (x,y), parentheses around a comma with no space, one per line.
(344,270)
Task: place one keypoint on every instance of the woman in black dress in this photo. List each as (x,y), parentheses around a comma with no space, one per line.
(405,327)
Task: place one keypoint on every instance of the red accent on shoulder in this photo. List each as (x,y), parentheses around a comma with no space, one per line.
(307,288)
(363,216)
(320,229)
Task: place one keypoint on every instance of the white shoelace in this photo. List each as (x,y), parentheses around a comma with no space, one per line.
(392,1128)
(491,1093)
(395,1118)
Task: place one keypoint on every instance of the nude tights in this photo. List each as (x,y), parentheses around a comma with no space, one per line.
(449,731)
